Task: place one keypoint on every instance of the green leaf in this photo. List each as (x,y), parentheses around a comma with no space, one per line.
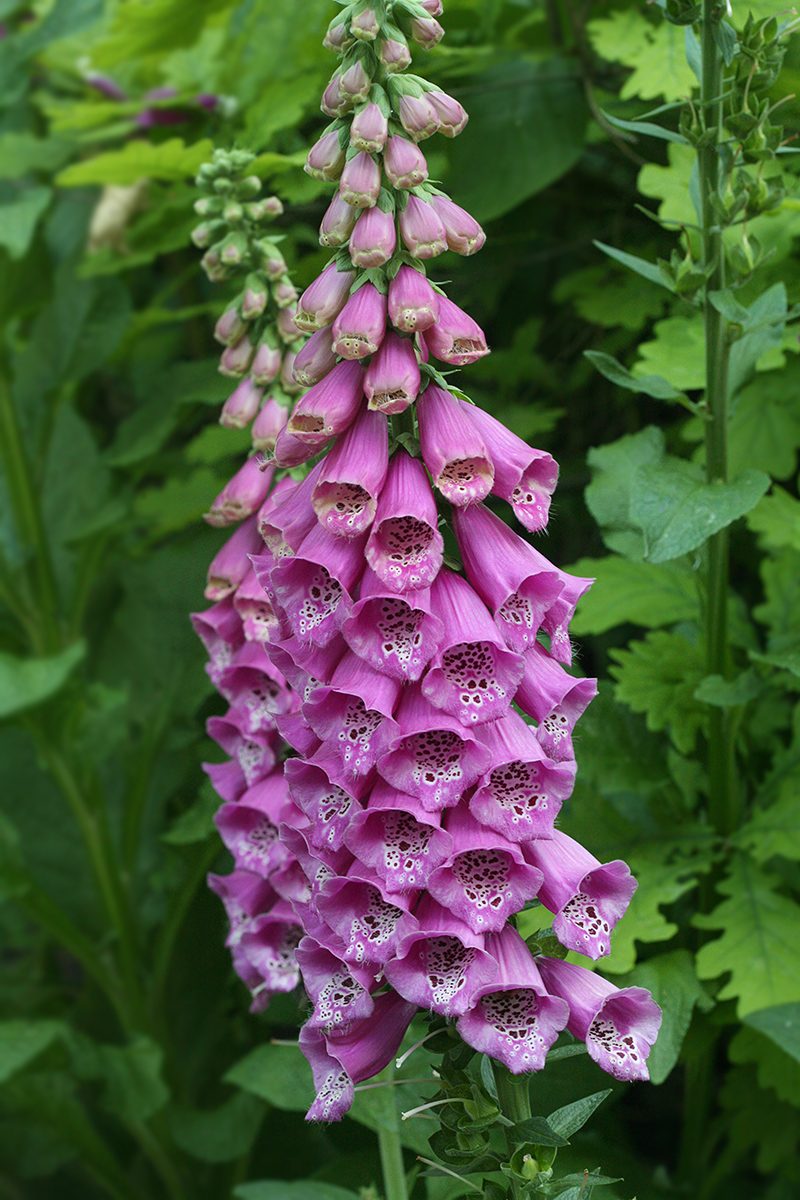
(131,1075)
(608,495)
(641,266)
(781,1024)
(610,297)
(178,502)
(19,218)
(728,693)
(659,676)
(677,349)
(526,128)
(670,184)
(23,1041)
(538,1131)
(221,1134)
(170,160)
(149,27)
(25,682)
(278,1074)
(650,385)
(308,1189)
(655,52)
(21,153)
(643,593)
(197,823)
(777,518)
(774,830)
(758,947)
(774,1068)
(674,986)
(572,1117)
(14,880)
(647,129)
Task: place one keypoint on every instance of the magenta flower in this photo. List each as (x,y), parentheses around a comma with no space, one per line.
(360,183)
(369,129)
(404,163)
(230,564)
(314,586)
(340,992)
(324,299)
(455,338)
(393,378)
(398,839)
(315,359)
(338,223)
(242,495)
(353,716)
(464,234)
(418,116)
(422,229)
(352,475)
(405,547)
(330,406)
(360,327)
(242,405)
(397,635)
(327,797)
(453,450)
(413,304)
(451,114)
(373,240)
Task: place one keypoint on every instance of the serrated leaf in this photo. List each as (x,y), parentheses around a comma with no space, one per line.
(643,593)
(21,153)
(781,1024)
(727,693)
(673,984)
(759,947)
(774,830)
(610,297)
(654,52)
(650,385)
(764,430)
(539,1131)
(658,676)
(774,1068)
(19,217)
(572,1117)
(777,518)
(170,160)
(25,682)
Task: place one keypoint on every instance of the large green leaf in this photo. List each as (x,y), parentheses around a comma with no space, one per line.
(19,216)
(21,153)
(641,592)
(526,129)
(655,51)
(775,1068)
(25,682)
(781,1024)
(218,1134)
(139,160)
(658,676)
(758,947)
(278,1074)
(131,1075)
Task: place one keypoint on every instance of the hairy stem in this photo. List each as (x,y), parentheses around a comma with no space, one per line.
(514,1099)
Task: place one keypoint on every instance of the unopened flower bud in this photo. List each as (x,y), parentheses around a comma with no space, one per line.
(229,328)
(432,7)
(369,128)
(249,187)
(241,496)
(235,360)
(326,157)
(338,37)
(201,235)
(426,32)
(404,163)
(255,298)
(270,420)
(233,249)
(338,222)
(272,206)
(324,299)
(452,115)
(334,103)
(417,116)
(266,364)
(360,327)
(233,212)
(213,267)
(286,326)
(315,359)
(360,184)
(284,293)
(365,26)
(464,234)
(354,83)
(275,265)
(373,240)
(422,229)
(413,304)
(241,406)
(288,381)
(394,53)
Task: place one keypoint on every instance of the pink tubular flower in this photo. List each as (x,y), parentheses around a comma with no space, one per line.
(464,234)
(514,1019)
(353,715)
(340,1061)
(338,223)
(360,327)
(242,495)
(418,116)
(397,635)
(340,992)
(553,698)
(360,183)
(315,359)
(374,238)
(369,923)
(241,406)
(284,527)
(404,163)
(405,547)
(455,338)
(422,229)
(619,1025)
(326,157)
(451,114)
(426,31)
(328,800)
(393,378)
(452,449)
(220,630)
(398,839)
(525,477)
(352,476)
(472,675)
(413,304)
(369,129)
(330,406)
(230,564)
(587,897)
(230,327)
(266,364)
(292,451)
(394,54)
(324,299)
(314,587)
(259,620)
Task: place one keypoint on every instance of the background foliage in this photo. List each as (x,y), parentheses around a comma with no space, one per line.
(129,1066)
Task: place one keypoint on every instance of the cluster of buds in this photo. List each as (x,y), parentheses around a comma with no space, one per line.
(432,710)
(257,328)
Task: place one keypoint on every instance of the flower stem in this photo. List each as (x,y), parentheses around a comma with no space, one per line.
(391,1149)
(514,1100)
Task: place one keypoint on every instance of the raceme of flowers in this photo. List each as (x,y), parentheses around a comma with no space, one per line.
(430,711)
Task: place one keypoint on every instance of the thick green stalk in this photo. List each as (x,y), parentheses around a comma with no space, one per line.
(722,791)
(514,1100)
(395,1185)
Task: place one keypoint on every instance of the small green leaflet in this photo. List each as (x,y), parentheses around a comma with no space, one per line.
(658,676)
(23,1041)
(781,1024)
(777,518)
(25,682)
(641,266)
(19,218)
(651,385)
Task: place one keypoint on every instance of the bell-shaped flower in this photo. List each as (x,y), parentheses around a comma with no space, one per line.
(323,299)
(413,304)
(292,518)
(315,586)
(330,406)
(443,965)
(452,115)
(404,163)
(245,897)
(242,495)
(360,327)
(326,157)
(553,698)
(353,716)
(418,116)
(517,583)
(369,923)
(521,792)
(433,756)
(306,666)
(231,563)
(342,1060)
(266,364)
(514,1019)
(472,675)
(254,688)
(587,897)
(253,754)
(334,103)
(369,128)
(452,449)
(220,630)
(355,82)
(269,422)
(269,943)
(353,472)
(315,359)
(396,635)
(392,380)
(337,224)
(455,338)
(398,839)
(242,405)
(426,31)
(360,184)
(373,240)
(618,1025)
(292,450)
(422,229)
(487,879)
(250,827)
(464,234)
(340,992)
(326,796)
(405,547)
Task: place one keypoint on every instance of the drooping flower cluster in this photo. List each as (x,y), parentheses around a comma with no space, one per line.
(433,711)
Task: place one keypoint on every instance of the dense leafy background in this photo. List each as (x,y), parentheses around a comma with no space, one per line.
(129,1066)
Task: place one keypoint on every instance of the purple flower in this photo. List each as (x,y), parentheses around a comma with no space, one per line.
(451,114)
(326,796)
(393,53)
(404,163)
(555,699)
(464,234)
(266,364)
(284,527)
(453,450)
(418,116)
(360,183)
(230,564)
(455,338)
(369,129)
(368,922)
(393,378)
(422,229)
(315,359)
(405,547)
(324,299)
(258,618)
(397,635)
(337,224)
(353,716)
(314,586)
(354,83)
(326,157)
(340,992)
(398,839)
(330,406)
(514,1019)
(413,304)
(242,495)
(619,1025)
(360,327)
(352,476)
(242,405)
(373,240)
